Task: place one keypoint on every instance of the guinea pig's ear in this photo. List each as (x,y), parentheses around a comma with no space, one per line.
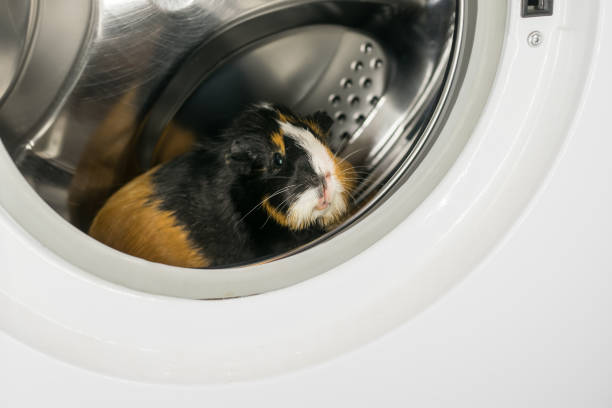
(323,120)
(242,156)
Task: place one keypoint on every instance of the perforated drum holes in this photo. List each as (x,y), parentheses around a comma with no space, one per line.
(346,83)
(366,48)
(334,100)
(361,78)
(365,82)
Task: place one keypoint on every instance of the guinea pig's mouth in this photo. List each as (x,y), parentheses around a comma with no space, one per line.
(329,208)
(322,206)
(326,196)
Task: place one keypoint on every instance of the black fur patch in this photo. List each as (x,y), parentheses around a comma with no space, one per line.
(216,190)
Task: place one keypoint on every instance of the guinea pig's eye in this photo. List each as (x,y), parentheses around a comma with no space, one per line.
(278,159)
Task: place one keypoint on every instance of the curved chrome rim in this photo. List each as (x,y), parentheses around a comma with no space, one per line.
(81,91)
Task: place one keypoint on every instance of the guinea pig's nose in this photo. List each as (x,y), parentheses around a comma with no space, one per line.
(327,177)
(325,180)
(323,203)
(324,193)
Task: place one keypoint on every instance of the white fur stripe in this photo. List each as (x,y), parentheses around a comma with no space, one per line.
(320,158)
(303,213)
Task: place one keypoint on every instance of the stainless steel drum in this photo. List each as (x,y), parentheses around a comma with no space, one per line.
(93,93)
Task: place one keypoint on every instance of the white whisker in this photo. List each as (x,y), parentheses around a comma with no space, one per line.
(282,190)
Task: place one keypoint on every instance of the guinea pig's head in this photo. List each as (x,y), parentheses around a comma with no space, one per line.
(283,158)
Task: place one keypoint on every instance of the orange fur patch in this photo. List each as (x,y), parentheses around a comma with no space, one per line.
(278,141)
(316,129)
(130,222)
(286,118)
(346,174)
(275,214)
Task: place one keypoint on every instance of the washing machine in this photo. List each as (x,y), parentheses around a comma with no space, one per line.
(475,269)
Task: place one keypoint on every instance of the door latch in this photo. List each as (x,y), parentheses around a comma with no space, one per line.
(536,8)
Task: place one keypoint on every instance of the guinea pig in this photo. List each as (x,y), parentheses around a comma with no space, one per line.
(269,183)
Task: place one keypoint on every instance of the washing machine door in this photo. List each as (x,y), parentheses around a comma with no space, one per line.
(481,292)
(116,104)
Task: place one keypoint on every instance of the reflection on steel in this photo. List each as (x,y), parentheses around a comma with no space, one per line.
(16,22)
(111,87)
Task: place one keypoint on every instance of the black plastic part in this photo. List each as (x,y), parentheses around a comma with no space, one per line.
(536,8)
